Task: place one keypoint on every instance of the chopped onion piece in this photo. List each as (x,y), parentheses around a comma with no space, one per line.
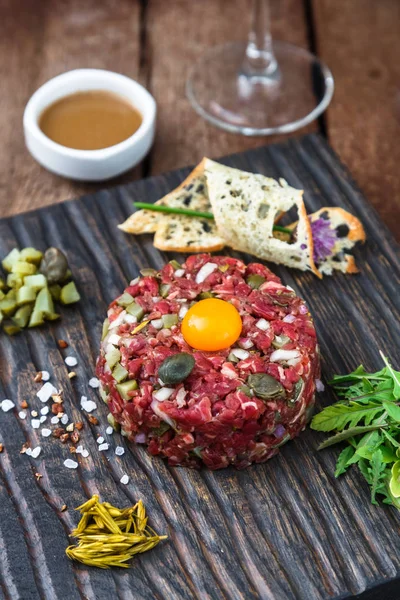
(109,430)
(45,375)
(155,405)
(179,272)
(46,432)
(289,319)
(157,323)
(183,310)
(205,271)
(118,321)
(263,324)
(240,354)
(291,357)
(130,319)
(163,394)
(245,343)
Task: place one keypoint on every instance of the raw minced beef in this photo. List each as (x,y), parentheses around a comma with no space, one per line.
(214,416)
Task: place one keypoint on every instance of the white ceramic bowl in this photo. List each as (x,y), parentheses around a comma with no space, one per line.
(89,165)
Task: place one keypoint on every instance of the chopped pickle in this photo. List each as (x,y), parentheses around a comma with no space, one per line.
(104,395)
(14,281)
(55,291)
(106,325)
(21,317)
(164,290)
(8,306)
(135,310)
(69,294)
(148,272)
(23,268)
(31,255)
(119,372)
(2,284)
(127,386)
(36,282)
(205,295)
(116,426)
(112,357)
(44,302)
(2,295)
(25,295)
(175,264)
(254,281)
(37,318)
(10,260)
(67,276)
(11,329)
(125,299)
(169,320)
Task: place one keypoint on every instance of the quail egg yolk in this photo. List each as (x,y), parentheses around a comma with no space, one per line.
(211,325)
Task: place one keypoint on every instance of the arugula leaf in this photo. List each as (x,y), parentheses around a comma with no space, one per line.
(395,375)
(346,434)
(393,410)
(338,416)
(342,463)
(378,475)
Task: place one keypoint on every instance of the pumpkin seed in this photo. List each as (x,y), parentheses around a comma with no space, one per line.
(176,368)
(265,386)
(254,281)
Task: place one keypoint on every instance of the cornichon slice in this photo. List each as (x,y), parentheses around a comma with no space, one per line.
(36,282)
(254,281)
(8,306)
(112,357)
(31,255)
(69,294)
(14,281)
(25,294)
(127,386)
(125,299)
(135,310)
(10,260)
(23,268)
(21,317)
(119,372)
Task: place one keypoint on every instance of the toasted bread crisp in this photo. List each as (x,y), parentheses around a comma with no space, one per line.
(349,231)
(245,207)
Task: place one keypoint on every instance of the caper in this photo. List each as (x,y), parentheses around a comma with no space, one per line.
(205,295)
(254,281)
(176,368)
(280,340)
(54,265)
(265,386)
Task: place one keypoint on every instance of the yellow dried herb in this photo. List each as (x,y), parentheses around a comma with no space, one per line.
(109,536)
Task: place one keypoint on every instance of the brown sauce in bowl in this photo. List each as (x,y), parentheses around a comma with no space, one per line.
(90,120)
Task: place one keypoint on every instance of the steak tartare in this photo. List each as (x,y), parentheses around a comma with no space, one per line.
(234,406)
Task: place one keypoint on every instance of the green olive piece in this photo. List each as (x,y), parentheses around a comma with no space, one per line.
(176,368)
(265,386)
(54,265)
(254,281)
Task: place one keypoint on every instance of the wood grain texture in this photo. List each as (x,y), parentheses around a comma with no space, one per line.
(284,530)
(360,40)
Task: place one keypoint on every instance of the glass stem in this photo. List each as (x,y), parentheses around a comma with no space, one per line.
(260,61)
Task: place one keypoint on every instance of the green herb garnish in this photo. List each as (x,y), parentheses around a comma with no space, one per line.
(367,419)
(109,536)
(191,213)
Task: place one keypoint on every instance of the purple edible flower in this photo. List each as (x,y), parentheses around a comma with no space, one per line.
(324,238)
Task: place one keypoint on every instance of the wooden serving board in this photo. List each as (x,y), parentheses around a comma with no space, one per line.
(283,530)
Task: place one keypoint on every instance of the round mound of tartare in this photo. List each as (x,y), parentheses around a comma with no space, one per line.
(167,386)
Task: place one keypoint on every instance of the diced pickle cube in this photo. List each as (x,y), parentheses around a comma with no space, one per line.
(103,395)
(10,260)
(164,290)
(11,329)
(169,320)
(1,317)
(23,268)
(36,282)
(119,373)
(2,295)
(116,426)
(69,294)
(44,302)
(127,386)
(11,294)
(31,255)
(112,357)
(106,325)
(55,291)
(2,284)
(135,310)
(8,306)
(125,299)
(174,263)
(14,281)
(21,317)
(25,295)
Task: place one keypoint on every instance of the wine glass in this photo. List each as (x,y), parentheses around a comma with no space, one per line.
(261,87)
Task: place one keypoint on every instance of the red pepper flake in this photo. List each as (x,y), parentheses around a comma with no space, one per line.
(1,448)
(79,425)
(58,432)
(24,448)
(64,437)
(93,420)
(62,344)
(63,508)
(72,449)
(24,404)
(38,476)
(75,437)
(38,377)
(57,398)
(56,408)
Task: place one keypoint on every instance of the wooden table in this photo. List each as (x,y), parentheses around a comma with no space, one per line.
(156,42)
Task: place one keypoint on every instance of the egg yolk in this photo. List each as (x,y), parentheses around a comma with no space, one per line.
(211,325)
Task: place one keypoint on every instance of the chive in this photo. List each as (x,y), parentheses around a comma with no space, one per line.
(191,213)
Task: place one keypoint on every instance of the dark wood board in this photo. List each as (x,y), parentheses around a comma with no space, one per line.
(283,530)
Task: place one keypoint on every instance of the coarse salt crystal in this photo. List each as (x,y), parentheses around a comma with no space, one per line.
(7,405)
(71,361)
(205,271)
(28,451)
(100,440)
(46,392)
(22,414)
(263,324)
(45,375)
(44,410)
(124,479)
(88,405)
(79,450)
(35,423)
(36,451)
(85,453)
(94,382)
(46,432)
(109,430)
(70,464)
(54,420)
(104,447)
(179,273)
(64,419)
(119,451)
(43,418)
